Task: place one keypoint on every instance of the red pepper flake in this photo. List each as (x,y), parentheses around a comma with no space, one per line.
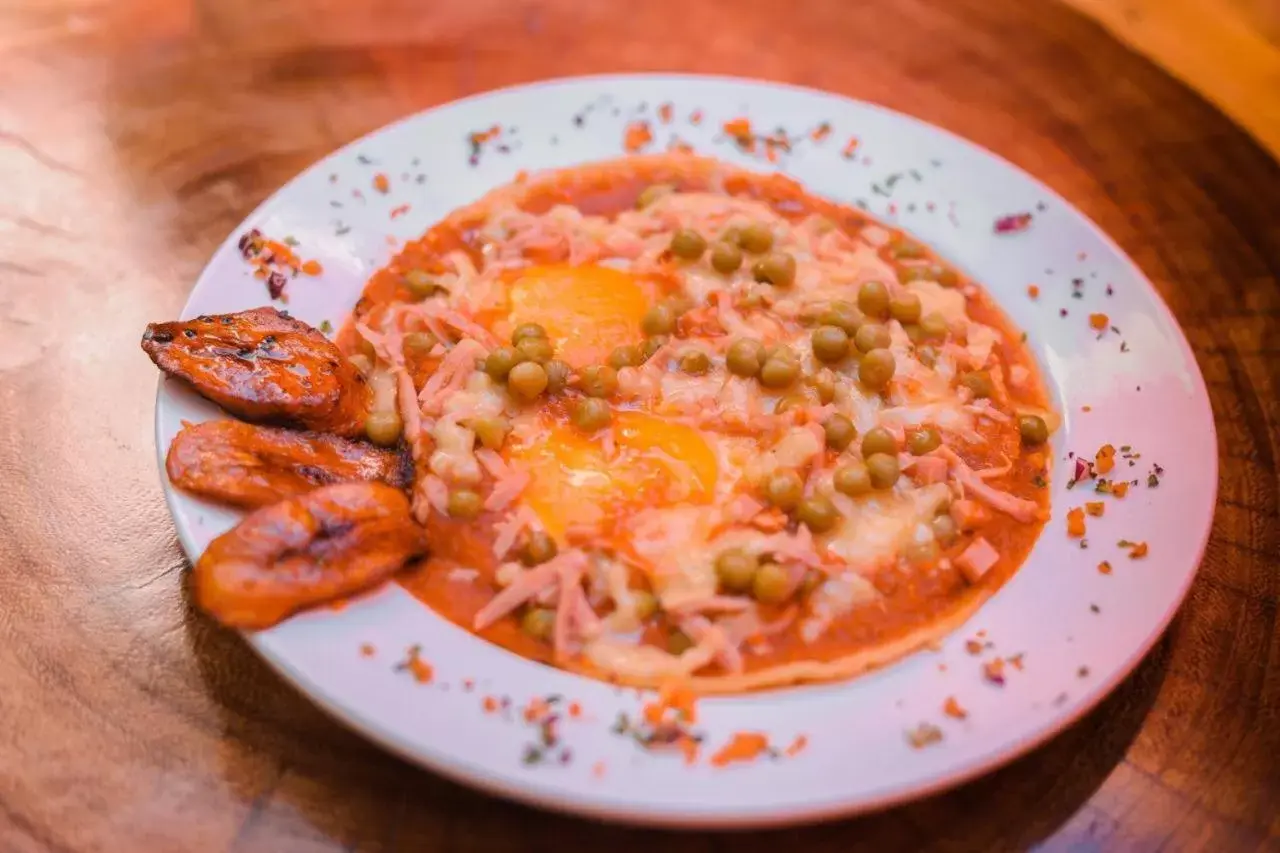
(575,710)
(973,647)
(739,130)
(993,671)
(401,210)
(275,284)
(1082,672)
(637,136)
(850,149)
(382,183)
(1105,459)
(1099,322)
(1104,568)
(415,665)
(820,132)
(797,746)
(742,747)
(1095,508)
(1015,661)
(597,770)
(952,709)
(468,685)
(490,704)
(1120,489)
(1033,291)
(923,735)
(695,118)
(664,113)
(1086,408)
(1075,523)
(1013,223)
(312,267)
(1137,550)
(367,650)
(678,144)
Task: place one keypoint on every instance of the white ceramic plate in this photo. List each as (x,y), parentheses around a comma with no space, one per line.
(1079,631)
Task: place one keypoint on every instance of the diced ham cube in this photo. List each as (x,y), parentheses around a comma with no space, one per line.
(976,560)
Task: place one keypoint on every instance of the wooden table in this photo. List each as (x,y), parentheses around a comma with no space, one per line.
(133,138)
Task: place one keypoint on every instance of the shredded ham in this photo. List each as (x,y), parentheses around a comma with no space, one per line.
(529,584)
(711,604)
(508,530)
(977,559)
(450,376)
(1019,508)
(928,469)
(705,634)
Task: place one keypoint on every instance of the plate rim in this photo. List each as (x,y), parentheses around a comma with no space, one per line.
(662,815)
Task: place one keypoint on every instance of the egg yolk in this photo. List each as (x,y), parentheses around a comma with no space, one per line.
(586,310)
(658,462)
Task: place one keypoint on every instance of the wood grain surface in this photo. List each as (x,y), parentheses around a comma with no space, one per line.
(134,137)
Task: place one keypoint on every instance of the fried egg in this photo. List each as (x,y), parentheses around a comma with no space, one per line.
(587,310)
(575,480)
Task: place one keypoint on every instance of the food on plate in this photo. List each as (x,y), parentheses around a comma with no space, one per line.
(250,466)
(324,545)
(266,367)
(727,432)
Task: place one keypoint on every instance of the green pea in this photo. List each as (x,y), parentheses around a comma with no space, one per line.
(652,193)
(745,357)
(778,269)
(756,238)
(725,258)
(420,284)
(871,336)
(464,503)
(599,380)
(944,529)
(652,344)
(645,603)
(812,580)
(852,479)
(924,440)
(771,584)
(538,350)
(876,369)
(678,642)
(947,277)
(830,343)
(659,320)
(878,440)
(933,326)
(695,362)
(979,382)
(491,432)
(1033,429)
(779,371)
(500,362)
(527,330)
(905,307)
(817,513)
(784,489)
(843,315)
(735,570)
(527,380)
(419,343)
(688,244)
(791,402)
(907,250)
(883,470)
(539,622)
(592,414)
(840,432)
(627,355)
(873,299)
(557,375)
(538,549)
(383,428)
